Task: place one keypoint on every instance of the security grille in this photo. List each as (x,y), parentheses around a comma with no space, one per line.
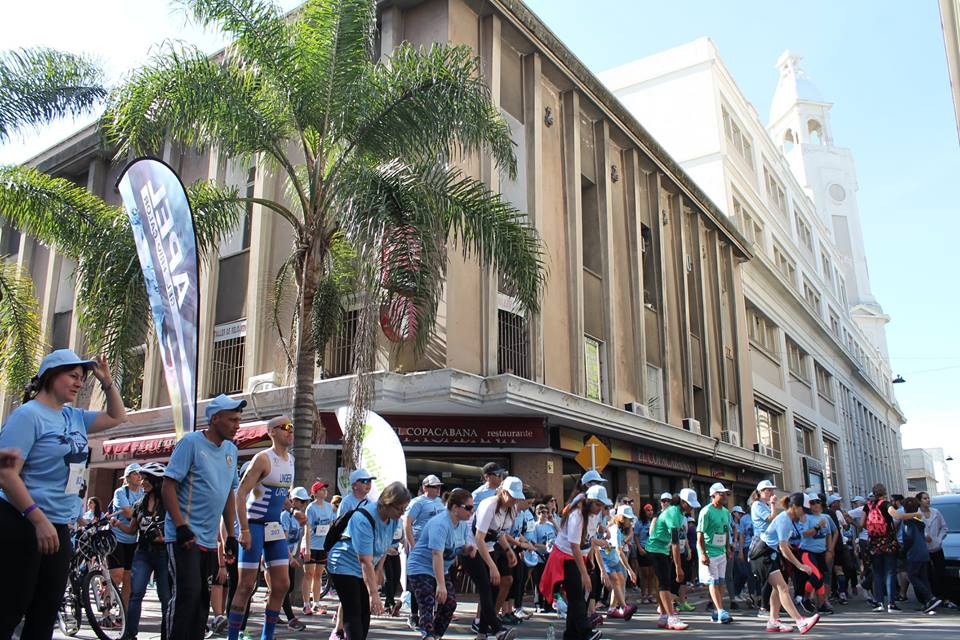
(513,344)
(227,371)
(345,344)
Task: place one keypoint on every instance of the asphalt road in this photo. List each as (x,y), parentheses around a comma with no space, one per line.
(853,621)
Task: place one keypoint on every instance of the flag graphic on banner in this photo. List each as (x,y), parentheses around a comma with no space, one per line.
(162,225)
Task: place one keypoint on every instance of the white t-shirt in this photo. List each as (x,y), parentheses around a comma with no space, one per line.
(570,535)
(490,520)
(858,515)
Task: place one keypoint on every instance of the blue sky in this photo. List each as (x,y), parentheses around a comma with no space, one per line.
(881,65)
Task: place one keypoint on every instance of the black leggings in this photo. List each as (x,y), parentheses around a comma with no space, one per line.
(191,571)
(487,609)
(578,626)
(287,609)
(519,586)
(35,583)
(355,605)
(391,578)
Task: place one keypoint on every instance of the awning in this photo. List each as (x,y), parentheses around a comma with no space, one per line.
(251,435)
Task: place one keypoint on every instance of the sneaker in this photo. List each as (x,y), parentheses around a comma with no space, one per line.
(843,598)
(725,617)
(522,613)
(932,604)
(296,625)
(893,608)
(336,635)
(308,610)
(775,626)
(629,611)
(475,627)
(662,622)
(674,623)
(763,613)
(616,614)
(807,623)
(806,607)
(714,617)
(509,620)
(594,635)
(686,607)
(950,605)
(219,624)
(825,610)
(596,620)
(878,608)
(506,634)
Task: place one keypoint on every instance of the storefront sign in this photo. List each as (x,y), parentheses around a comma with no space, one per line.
(654,458)
(432,431)
(573,440)
(249,436)
(716,471)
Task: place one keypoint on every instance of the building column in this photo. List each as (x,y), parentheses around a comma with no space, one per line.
(490,43)
(533,119)
(634,176)
(605,211)
(209,277)
(570,107)
(259,277)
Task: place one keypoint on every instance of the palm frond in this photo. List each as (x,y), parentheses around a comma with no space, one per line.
(21,343)
(426,105)
(40,84)
(217,211)
(186,96)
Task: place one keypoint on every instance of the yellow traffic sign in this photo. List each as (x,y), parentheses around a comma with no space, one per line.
(594,455)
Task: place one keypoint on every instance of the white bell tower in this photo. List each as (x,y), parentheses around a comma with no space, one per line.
(800,124)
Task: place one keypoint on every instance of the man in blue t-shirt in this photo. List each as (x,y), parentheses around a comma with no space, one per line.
(198,489)
(120,562)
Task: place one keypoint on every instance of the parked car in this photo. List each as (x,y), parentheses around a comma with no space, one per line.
(949,506)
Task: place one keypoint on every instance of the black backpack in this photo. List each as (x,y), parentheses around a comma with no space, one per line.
(339,525)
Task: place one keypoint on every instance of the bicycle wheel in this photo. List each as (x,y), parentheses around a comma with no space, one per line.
(103,605)
(68,615)
(325,582)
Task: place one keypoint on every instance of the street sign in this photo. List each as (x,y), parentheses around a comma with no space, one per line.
(594,455)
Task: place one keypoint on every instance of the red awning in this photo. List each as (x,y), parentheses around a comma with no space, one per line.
(251,435)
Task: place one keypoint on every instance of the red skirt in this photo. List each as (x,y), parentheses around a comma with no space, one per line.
(553,573)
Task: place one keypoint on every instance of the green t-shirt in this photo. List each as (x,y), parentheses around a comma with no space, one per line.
(714,523)
(671,518)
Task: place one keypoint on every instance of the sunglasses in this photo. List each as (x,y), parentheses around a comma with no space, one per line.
(628,501)
(366,481)
(466,507)
(286,426)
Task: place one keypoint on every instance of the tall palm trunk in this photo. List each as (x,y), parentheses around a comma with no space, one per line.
(305,415)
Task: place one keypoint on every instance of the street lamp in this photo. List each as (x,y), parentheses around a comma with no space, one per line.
(898,380)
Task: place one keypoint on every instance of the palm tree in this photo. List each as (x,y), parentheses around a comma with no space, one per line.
(36,86)
(367,150)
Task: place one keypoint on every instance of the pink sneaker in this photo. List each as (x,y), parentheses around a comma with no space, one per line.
(775,626)
(674,623)
(807,623)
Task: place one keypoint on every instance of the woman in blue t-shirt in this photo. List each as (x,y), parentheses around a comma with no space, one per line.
(38,504)
(356,561)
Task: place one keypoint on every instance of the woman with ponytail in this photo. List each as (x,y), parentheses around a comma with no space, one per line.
(37,505)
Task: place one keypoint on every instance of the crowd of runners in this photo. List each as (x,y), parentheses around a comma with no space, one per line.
(207,535)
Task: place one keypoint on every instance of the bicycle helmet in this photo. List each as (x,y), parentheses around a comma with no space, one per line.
(155,469)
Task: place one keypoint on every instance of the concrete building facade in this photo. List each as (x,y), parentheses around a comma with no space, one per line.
(920,471)
(823,399)
(643,339)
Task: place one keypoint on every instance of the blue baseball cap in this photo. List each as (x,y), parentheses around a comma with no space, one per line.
(223,402)
(591,476)
(598,492)
(131,468)
(64,358)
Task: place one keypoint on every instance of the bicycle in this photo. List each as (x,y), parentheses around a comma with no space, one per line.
(89,586)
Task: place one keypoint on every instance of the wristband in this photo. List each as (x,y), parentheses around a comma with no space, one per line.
(27,511)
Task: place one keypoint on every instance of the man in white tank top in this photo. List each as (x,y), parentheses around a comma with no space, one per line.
(263,489)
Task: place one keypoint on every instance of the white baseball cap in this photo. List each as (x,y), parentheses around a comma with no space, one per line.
(737,509)
(361,474)
(514,486)
(690,497)
(666,495)
(432,481)
(765,484)
(833,498)
(858,499)
(717,487)
(300,493)
(626,511)
(599,492)
(591,476)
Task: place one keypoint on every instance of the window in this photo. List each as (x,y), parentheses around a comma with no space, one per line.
(842,291)
(778,199)
(831,476)
(513,353)
(590,221)
(61,329)
(763,332)
(229,344)
(649,269)
(750,225)
(797,360)
(805,437)
(769,423)
(826,266)
(344,344)
(238,239)
(804,233)
(593,356)
(824,382)
(785,264)
(812,296)
(834,323)
(740,141)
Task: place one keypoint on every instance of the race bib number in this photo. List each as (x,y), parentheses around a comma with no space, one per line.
(75,479)
(321,530)
(531,526)
(719,540)
(273,531)
(397,534)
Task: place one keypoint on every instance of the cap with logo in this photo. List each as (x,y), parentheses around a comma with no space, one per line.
(666,495)
(599,492)
(64,358)
(131,468)
(494,469)
(299,493)
(765,484)
(690,497)
(591,476)
(717,487)
(626,511)
(223,402)
(316,486)
(432,481)
(513,486)
(361,474)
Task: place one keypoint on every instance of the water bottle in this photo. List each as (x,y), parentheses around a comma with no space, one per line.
(552,632)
